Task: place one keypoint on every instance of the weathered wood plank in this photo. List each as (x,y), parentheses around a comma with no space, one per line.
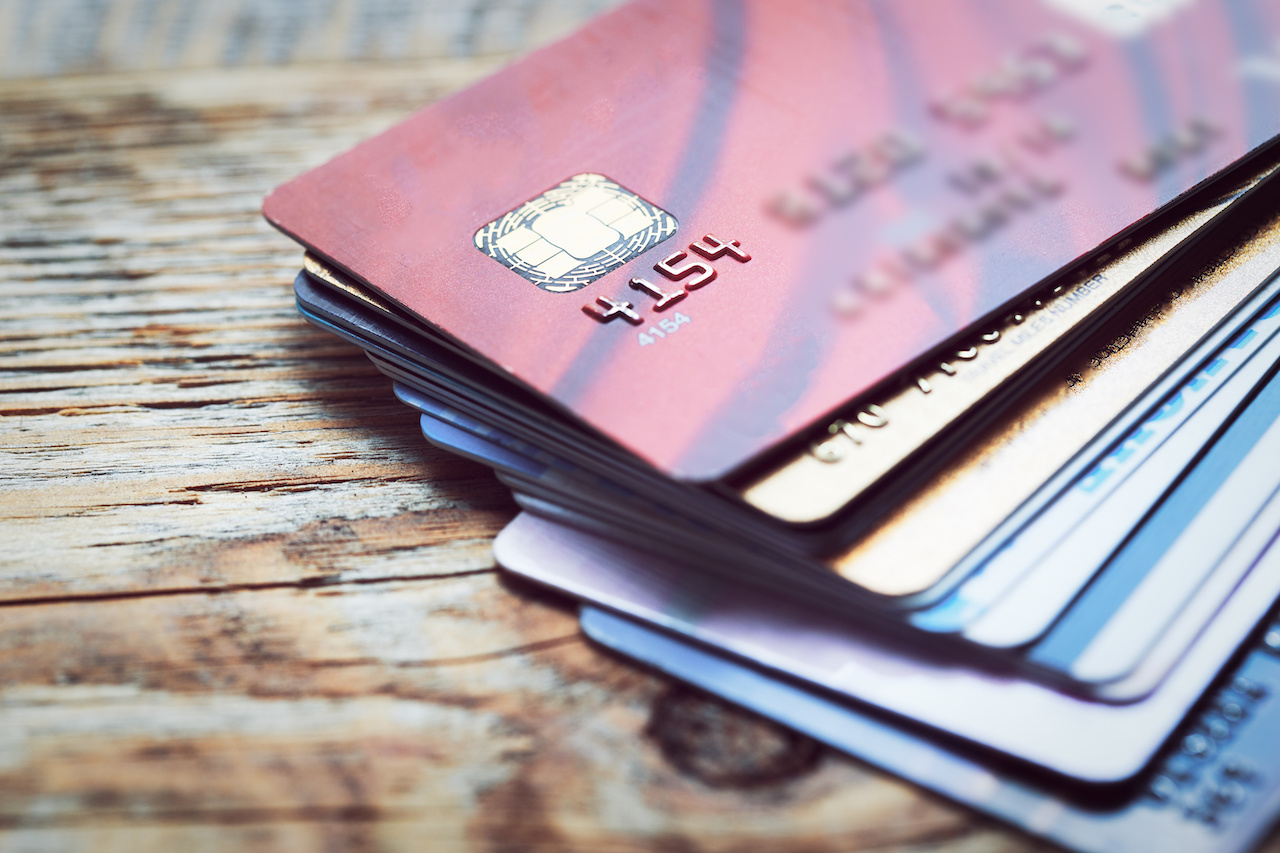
(168,420)
(450,707)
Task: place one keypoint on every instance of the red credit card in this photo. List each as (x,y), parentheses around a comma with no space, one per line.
(702,226)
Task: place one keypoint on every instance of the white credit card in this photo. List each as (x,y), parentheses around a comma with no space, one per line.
(1085,739)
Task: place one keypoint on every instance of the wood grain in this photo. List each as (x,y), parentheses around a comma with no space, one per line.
(47,37)
(243,605)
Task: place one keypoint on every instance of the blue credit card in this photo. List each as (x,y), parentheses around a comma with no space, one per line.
(1154,544)
(1213,789)
(1052,547)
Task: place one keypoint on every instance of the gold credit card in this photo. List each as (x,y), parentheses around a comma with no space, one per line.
(857,451)
(321,270)
(925,537)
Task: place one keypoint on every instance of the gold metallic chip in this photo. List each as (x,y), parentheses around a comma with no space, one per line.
(575,232)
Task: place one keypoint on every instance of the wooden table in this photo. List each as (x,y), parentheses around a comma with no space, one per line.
(244,605)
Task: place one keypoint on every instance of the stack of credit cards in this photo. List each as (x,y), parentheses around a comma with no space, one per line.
(907,372)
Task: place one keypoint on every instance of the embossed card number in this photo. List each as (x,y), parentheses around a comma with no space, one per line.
(1008,183)
(678,267)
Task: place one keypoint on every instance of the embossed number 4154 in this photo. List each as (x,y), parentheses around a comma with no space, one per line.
(677,266)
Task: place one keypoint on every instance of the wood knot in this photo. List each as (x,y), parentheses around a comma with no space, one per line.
(725,746)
